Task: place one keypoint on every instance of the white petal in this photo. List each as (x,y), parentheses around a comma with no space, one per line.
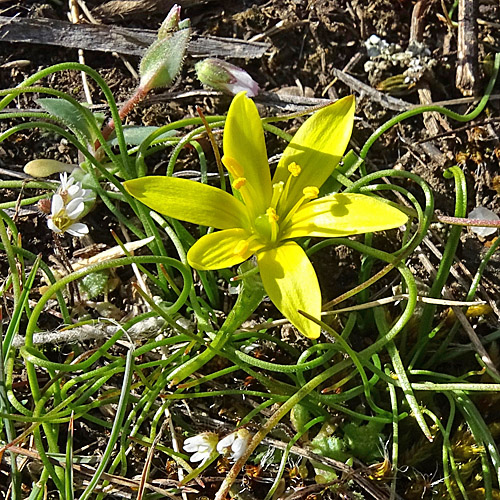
(78,229)
(251,89)
(75,208)
(87,195)
(191,444)
(238,448)
(199,456)
(73,190)
(205,447)
(226,443)
(237,455)
(57,204)
(238,445)
(64,181)
(52,226)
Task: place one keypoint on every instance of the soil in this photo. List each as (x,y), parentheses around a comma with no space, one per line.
(308,40)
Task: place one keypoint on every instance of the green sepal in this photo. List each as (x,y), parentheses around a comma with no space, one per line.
(163,60)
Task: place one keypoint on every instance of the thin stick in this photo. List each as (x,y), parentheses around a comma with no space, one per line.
(213,142)
(74,16)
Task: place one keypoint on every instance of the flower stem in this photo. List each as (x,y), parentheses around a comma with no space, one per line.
(134,100)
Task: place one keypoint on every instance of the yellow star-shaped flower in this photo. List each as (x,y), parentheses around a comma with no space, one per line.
(266,215)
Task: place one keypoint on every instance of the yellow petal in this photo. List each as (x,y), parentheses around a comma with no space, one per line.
(243,141)
(343,215)
(222,249)
(189,201)
(291,283)
(317,147)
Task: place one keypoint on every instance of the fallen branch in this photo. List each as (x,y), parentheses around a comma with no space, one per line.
(105,38)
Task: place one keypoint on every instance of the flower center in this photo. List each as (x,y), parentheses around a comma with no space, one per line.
(266,224)
(62,221)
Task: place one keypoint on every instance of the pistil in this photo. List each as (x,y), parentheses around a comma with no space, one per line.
(266,225)
(273,218)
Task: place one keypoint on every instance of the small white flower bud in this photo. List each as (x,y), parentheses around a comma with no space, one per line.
(226,77)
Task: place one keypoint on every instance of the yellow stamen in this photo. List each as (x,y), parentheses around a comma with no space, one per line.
(277,190)
(233,167)
(294,169)
(310,192)
(62,221)
(239,182)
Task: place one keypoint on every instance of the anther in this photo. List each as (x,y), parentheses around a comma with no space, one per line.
(233,167)
(310,192)
(272,215)
(239,182)
(294,169)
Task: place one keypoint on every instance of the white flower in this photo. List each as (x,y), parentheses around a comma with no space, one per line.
(65,181)
(63,218)
(202,445)
(67,207)
(235,443)
(70,189)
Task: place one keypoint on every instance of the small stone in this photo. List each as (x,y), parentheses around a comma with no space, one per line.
(485,214)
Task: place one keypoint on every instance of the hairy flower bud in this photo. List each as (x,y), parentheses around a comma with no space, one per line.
(171,22)
(163,60)
(226,77)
